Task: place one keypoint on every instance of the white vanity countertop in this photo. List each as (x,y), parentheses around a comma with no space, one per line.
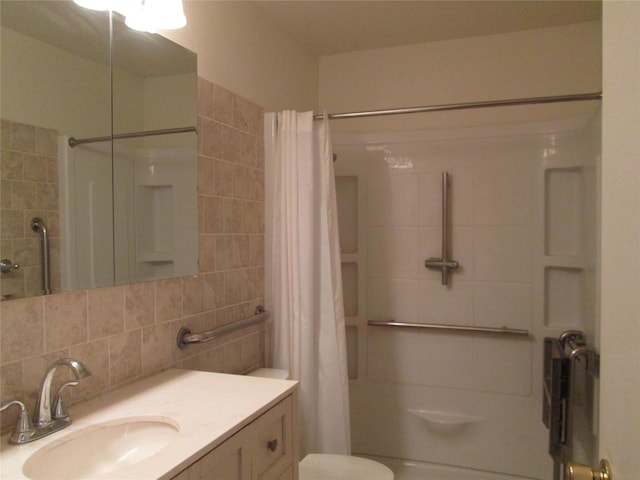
(207,407)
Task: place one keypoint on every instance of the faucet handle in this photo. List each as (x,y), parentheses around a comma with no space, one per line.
(59,411)
(24,428)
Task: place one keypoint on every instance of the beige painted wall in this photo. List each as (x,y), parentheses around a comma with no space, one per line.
(620,209)
(543,62)
(247,54)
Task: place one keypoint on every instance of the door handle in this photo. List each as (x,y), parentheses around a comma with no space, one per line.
(577,471)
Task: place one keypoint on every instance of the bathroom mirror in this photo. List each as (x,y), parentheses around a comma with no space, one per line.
(119,210)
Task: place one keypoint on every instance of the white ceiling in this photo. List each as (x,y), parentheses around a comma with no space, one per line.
(329,27)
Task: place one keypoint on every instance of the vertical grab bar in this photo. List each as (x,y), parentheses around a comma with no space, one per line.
(38,226)
(443,263)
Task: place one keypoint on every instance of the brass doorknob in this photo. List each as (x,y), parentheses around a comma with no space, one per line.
(577,471)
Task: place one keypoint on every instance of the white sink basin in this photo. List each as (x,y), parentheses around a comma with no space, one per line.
(101,449)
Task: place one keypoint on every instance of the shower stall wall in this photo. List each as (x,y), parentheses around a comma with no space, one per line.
(523,222)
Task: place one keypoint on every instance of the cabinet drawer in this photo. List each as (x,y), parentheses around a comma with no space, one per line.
(272,442)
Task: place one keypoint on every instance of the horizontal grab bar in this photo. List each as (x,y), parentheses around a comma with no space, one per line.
(185,337)
(453,328)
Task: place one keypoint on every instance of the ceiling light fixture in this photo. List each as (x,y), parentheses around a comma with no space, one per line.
(143,15)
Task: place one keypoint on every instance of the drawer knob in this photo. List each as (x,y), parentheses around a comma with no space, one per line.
(272,444)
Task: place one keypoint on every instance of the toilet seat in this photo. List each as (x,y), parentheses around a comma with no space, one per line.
(322,466)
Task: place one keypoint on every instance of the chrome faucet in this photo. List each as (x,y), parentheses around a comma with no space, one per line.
(46,419)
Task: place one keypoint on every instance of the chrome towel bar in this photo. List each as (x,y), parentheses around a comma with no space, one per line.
(513,332)
(185,337)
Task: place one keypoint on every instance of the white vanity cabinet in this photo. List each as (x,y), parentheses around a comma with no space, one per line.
(265,449)
(227,427)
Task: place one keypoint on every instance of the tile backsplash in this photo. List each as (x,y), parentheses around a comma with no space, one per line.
(126,332)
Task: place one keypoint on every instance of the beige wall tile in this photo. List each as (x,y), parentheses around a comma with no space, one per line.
(47,196)
(46,141)
(224,249)
(241,252)
(232,214)
(213,291)
(252,217)
(52,169)
(65,319)
(11,389)
(256,250)
(233,285)
(12,165)
(239,147)
(233,357)
(223,105)
(33,281)
(24,194)
(247,116)
(12,223)
(260,155)
(139,305)
(35,168)
(125,356)
(26,251)
(95,356)
(205,98)
(22,328)
(255,185)
(156,347)
(213,214)
(249,351)
(207,253)
(5,193)
(210,138)
(206,175)
(168,299)
(23,137)
(224,178)
(192,295)
(105,311)
(5,134)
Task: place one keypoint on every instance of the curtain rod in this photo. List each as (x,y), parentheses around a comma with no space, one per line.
(464,106)
(149,133)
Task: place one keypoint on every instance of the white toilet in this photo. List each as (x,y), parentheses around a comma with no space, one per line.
(324,466)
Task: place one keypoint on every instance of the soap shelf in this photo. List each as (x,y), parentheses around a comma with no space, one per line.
(444,419)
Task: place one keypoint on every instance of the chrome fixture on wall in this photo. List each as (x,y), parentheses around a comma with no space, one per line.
(561,358)
(50,416)
(443,263)
(185,337)
(38,226)
(7,266)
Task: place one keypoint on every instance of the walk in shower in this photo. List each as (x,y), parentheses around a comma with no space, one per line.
(521,225)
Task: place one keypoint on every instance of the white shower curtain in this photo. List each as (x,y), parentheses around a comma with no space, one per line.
(304,280)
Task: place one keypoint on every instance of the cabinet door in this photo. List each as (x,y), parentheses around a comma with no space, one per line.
(272,442)
(229,461)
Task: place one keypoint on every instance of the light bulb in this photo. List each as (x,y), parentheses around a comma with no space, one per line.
(136,18)
(94,4)
(164,14)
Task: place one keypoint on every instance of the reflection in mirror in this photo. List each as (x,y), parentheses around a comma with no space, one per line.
(118,213)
